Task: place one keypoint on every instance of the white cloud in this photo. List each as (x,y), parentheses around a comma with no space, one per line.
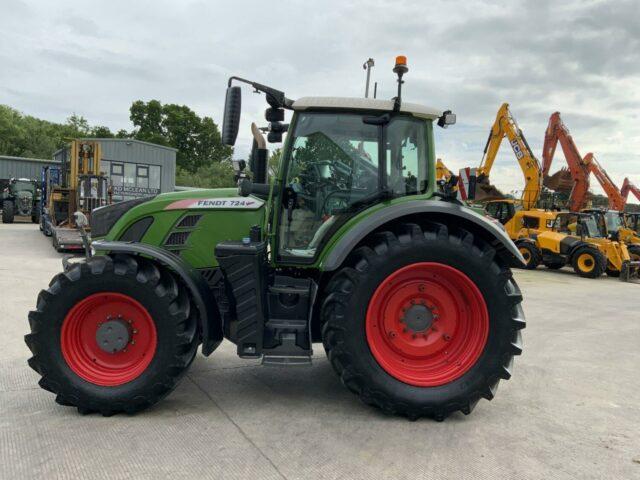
(579,57)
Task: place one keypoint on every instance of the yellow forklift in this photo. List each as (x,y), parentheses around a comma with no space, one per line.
(82,188)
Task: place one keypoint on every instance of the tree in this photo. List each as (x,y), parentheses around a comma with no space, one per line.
(197,139)
(100,132)
(214,175)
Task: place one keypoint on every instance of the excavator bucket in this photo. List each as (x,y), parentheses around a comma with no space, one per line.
(560,181)
(485,191)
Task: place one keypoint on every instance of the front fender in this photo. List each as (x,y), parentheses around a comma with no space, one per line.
(458,214)
(210,322)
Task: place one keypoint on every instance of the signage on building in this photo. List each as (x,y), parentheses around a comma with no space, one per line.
(129,190)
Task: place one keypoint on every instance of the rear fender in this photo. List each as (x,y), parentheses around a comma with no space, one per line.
(451,213)
(209,318)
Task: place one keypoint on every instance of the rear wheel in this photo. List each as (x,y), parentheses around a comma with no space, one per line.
(8,212)
(588,262)
(112,335)
(35,215)
(440,327)
(531,254)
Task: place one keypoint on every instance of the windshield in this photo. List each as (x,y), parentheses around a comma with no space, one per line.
(568,223)
(591,227)
(21,185)
(334,169)
(613,221)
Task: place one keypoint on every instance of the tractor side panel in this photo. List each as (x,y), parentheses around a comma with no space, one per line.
(190,224)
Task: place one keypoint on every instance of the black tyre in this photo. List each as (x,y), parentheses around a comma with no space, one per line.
(554,265)
(530,253)
(417,286)
(612,272)
(35,215)
(8,211)
(112,335)
(588,262)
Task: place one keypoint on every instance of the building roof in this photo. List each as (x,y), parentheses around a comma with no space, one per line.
(354,103)
(123,140)
(27,159)
(132,140)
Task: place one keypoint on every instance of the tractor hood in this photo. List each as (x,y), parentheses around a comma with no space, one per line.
(188,223)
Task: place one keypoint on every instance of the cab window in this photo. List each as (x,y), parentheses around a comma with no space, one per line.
(333,171)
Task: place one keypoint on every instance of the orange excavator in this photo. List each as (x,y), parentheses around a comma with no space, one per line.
(578,172)
(616,199)
(629,187)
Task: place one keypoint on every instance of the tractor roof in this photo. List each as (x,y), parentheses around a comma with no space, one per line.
(353,103)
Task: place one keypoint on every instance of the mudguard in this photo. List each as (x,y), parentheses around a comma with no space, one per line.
(458,214)
(209,318)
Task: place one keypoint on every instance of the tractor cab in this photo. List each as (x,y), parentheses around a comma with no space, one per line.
(631,220)
(609,221)
(577,224)
(340,162)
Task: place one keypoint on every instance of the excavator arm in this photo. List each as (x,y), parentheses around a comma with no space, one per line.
(505,125)
(616,199)
(442,172)
(628,186)
(558,132)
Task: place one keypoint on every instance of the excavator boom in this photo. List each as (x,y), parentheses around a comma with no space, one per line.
(505,125)
(616,199)
(628,186)
(558,132)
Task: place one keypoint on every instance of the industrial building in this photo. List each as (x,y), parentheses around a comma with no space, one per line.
(135,168)
(22,167)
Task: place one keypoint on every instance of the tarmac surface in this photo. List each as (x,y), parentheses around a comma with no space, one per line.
(571,410)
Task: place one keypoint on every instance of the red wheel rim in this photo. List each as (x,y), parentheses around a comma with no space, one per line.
(427,324)
(80,347)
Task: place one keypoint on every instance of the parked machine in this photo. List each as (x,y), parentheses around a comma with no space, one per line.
(21,198)
(505,126)
(78,185)
(577,174)
(350,246)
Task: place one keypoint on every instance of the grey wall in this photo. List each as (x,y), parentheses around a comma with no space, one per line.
(21,167)
(130,152)
(135,151)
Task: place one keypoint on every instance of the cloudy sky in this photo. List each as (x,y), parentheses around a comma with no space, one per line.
(579,57)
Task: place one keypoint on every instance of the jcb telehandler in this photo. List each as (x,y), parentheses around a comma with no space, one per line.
(576,239)
(411,294)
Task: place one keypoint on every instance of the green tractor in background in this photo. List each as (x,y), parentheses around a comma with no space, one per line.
(410,293)
(21,197)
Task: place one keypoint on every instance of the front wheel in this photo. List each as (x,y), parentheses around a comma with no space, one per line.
(422,321)
(530,253)
(8,212)
(588,262)
(112,335)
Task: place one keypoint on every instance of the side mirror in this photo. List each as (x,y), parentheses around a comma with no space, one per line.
(447,118)
(231,120)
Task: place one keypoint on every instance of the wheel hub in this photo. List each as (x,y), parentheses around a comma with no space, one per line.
(418,318)
(427,324)
(113,336)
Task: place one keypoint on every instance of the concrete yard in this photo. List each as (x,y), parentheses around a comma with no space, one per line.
(571,410)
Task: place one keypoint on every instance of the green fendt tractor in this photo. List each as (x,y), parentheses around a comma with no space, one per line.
(410,293)
(21,197)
